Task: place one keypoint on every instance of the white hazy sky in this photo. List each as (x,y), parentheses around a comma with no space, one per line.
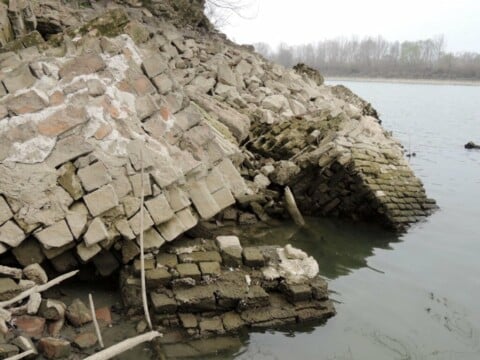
(305,21)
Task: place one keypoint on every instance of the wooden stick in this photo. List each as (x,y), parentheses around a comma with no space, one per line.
(95,322)
(38,289)
(10,271)
(123,346)
(142,250)
(21,355)
(292,208)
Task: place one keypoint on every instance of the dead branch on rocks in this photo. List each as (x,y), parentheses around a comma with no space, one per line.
(38,289)
(123,346)
(22,355)
(292,208)
(95,322)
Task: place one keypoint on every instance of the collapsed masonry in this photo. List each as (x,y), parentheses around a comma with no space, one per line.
(77,111)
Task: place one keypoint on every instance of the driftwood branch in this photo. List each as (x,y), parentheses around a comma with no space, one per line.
(142,250)
(95,322)
(38,289)
(22,355)
(10,271)
(123,346)
(292,208)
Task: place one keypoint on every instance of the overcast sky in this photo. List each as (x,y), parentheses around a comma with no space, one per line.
(305,21)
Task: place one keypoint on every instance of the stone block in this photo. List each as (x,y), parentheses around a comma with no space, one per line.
(149,264)
(200,256)
(8,289)
(64,262)
(225,75)
(85,340)
(163,83)
(224,242)
(122,185)
(253,257)
(96,232)
(196,299)
(235,182)
(256,297)
(152,240)
(124,229)
(189,270)
(134,222)
(136,181)
(101,200)
(130,250)
(223,198)
(26,102)
(31,326)
(131,205)
(232,321)
(159,209)
(296,292)
(211,268)
(70,181)
(82,65)
(68,148)
(8,351)
(54,252)
(177,198)
(18,79)
(211,325)
(35,273)
(154,65)
(77,222)
(167,260)
(163,304)
(87,253)
(145,107)
(62,121)
(106,263)
(78,314)
(215,180)
(188,321)
(94,176)
(55,236)
(11,234)
(232,256)
(28,252)
(157,277)
(171,229)
(187,218)
(202,199)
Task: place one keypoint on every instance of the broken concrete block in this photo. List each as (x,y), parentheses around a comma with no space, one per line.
(223,198)
(62,121)
(96,232)
(124,229)
(253,257)
(215,180)
(210,268)
(55,236)
(152,240)
(231,175)
(101,200)
(189,270)
(77,222)
(131,205)
(187,218)
(86,253)
(70,181)
(163,304)
(94,176)
(171,229)
(52,348)
(136,181)
(11,234)
(154,65)
(177,198)
(159,209)
(82,65)
(157,277)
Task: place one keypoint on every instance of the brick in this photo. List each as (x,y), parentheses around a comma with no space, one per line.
(159,209)
(96,232)
(171,229)
(253,257)
(94,176)
(168,260)
(157,277)
(11,234)
(163,304)
(200,256)
(189,270)
(210,268)
(152,240)
(134,222)
(55,236)
(136,181)
(202,199)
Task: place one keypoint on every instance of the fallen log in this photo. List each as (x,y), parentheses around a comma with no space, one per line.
(123,346)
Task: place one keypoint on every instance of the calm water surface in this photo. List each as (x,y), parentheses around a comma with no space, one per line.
(416,296)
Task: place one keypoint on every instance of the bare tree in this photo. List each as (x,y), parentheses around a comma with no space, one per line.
(220,11)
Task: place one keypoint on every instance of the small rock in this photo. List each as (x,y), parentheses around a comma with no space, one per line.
(163,304)
(189,270)
(188,321)
(78,314)
(253,257)
(8,350)
(471,145)
(31,326)
(52,310)
(104,315)
(53,348)
(35,273)
(85,340)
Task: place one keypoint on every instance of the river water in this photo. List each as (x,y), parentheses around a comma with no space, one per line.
(414,296)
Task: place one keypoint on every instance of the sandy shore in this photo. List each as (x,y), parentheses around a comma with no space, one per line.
(406,81)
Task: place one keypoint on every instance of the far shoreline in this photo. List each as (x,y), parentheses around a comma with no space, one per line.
(405,80)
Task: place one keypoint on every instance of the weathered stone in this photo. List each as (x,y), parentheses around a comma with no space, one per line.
(168,260)
(77,222)
(26,102)
(171,229)
(11,234)
(5,212)
(187,218)
(94,176)
(53,348)
(154,65)
(130,250)
(8,289)
(163,83)
(225,242)
(18,79)
(214,325)
(152,240)
(67,149)
(149,264)
(35,273)
(136,181)
(159,209)
(210,268)
(24,344)
(33,303)
(96,232)
(70,181)
(104,316)
(55,236)
(197,299)
(177,198)
(28,252)
(134,222)
(106,263)
(232,321)
(223,198)
(62,121)
(247,219)
(189,270)
(82,65)
(85,340)
(232,177)
(78,313)
(8,350)
(52,310)
(188,321)
(163,304)
(157,277)
(202,199)
(276,103)
(200,256)
(101,200)
(124,229)
(86,253)
(32,326)
(225,75)
(253,257)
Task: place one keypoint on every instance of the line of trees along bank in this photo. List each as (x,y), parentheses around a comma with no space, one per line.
(377,57)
